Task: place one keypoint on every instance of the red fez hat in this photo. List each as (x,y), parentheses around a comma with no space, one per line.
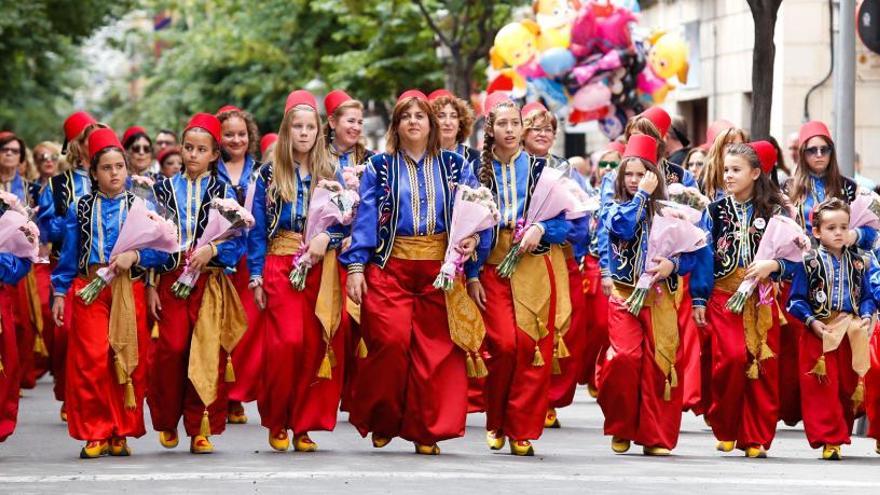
(334,99)
(641,146)
(494,99)
(659,118)
(412,93)
(616,146)
(131,131)
(811,129)
(300,97)
(207,122)
(266,141)
(534,106)
(168,151)
(766,155)
(76,123)
(227,108)
(6,134)
(102,139)
(439,93)
(715,128)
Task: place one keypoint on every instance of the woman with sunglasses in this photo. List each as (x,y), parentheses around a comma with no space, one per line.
(694,160)
(139,148)
(817,177)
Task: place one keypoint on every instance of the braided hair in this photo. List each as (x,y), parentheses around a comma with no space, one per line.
(485,175)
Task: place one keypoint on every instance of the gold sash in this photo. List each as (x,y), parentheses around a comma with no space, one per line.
(285,243)
(123,333)
(36,312)
(757,320)
(466,328)
(842,325)
(221,323)
(664,321)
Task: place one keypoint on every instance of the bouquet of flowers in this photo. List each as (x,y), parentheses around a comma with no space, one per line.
(142,229)
(783,238)
(10,201)
(142,187)
(670,235)
(864,211)
(351,175)
(474,211)
(550,198)
(330,205)
(225,219)
(583,201)
(19,236)
(687,196)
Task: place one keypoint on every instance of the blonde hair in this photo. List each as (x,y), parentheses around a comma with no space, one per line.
(284,167)
(78,148)
(712,174)
(360,150)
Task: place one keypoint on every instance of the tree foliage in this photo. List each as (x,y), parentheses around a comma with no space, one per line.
(38,40)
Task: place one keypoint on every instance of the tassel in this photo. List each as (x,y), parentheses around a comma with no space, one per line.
(470,366)
(205,426)
(557,369)
(538,360)
(753,371)
(121,377)
(325,371)
(766,352)
(2,370)
(229,376)
(362,349)
(673,377)
(332,356)
(819,367)
(129,395)
(667,391)
(562,349)
(40,346)
(858,397)
(480,366)
(154,334)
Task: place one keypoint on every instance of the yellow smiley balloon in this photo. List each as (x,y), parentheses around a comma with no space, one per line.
(669,57)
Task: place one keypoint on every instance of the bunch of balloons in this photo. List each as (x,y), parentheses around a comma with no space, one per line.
(583,61)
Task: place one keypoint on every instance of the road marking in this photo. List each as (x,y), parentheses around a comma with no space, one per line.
(430,475)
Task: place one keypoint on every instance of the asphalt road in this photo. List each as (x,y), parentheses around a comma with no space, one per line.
(41,458)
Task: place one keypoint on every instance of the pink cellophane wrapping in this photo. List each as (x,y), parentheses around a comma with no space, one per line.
(670,236)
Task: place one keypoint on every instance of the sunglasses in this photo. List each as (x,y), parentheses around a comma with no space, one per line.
(46,157)
(608,165)
(142,149)
(819,150)
(6,150)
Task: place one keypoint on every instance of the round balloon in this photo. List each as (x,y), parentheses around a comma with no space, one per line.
(592,97)
(613,125)
(557,61)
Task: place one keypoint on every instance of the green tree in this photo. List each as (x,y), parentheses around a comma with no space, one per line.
(38,47)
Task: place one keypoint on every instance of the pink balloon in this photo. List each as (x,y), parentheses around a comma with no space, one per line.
(592,97)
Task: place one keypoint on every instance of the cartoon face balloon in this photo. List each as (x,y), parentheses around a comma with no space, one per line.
(555,18)
(669,57)
(515,44)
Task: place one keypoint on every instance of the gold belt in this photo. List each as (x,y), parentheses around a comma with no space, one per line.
(420,248)
(502,246)
(285,243)
(730,283)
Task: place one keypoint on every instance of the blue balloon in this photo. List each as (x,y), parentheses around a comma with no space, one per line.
(556,61)
(550,91)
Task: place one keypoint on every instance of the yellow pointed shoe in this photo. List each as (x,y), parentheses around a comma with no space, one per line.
(119,447)
(522,448)
(94,449)
(63,412)
(495,440)
(756,452)
(379,442)
(200,445)
(169,439)
(619,445)
(831,453)
(593,391)
(724,446)
(427,449)
(551,420)
(302,443)
(235,414)
(656,451)
(279,440)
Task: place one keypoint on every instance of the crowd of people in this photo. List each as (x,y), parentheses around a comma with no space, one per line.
(367,330)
